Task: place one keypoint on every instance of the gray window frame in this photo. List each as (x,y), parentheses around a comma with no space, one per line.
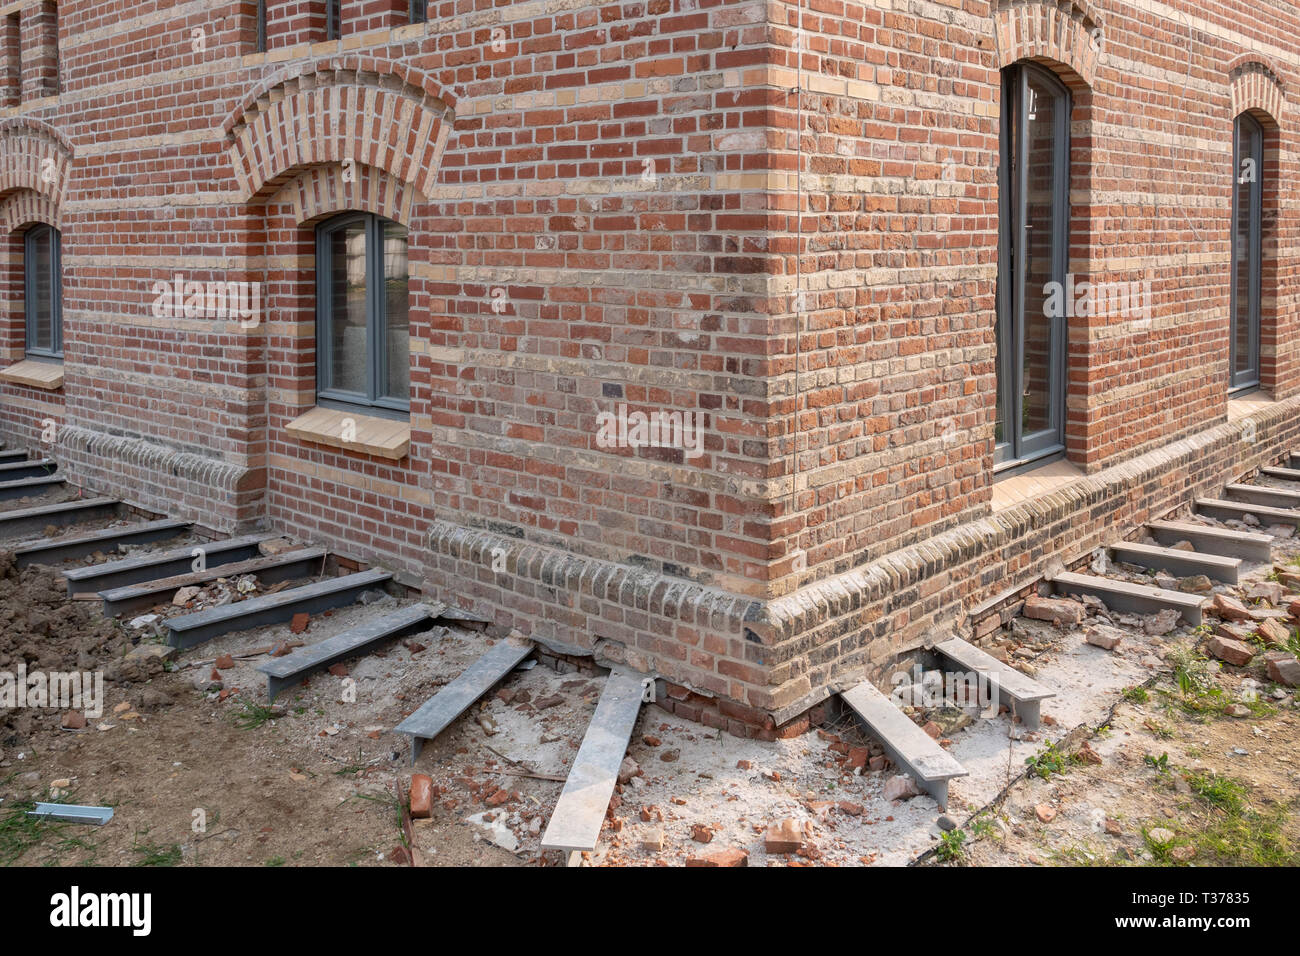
(1249,377)
(372,402)
(55,351)
(260,41)
(1016,450)
(419,11)
(333,19)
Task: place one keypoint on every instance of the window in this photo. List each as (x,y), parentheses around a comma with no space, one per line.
(42,292)
(1247,252)
(1032,262)
(260,40)
(419,11)
(362,327)
(333,19)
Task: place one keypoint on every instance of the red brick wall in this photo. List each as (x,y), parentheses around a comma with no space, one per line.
(644,193)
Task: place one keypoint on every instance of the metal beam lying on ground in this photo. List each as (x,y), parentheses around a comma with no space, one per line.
(1023,694)
(286,566)
(580,812)
(436,713)
(72,813)
(1259,495)
(27,520)
(284,672)
(190,629)
(1132,598)
(1281,474)
(160,564)
(18,470)
(907,745)
(1228,510)
(61,549)
(28,487)
(1176,561)
(1248,545)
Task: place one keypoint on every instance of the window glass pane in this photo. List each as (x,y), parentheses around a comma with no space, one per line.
(347,305)
(396,311)
(40,292)
(1245,262)
(1041,228)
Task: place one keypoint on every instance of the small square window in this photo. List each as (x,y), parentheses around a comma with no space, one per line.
(419,11)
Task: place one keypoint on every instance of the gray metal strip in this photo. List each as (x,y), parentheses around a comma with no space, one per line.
(26,520)
(52,552)
(191,629)
(160,564)
(580,812)
(436,713)
(284,672)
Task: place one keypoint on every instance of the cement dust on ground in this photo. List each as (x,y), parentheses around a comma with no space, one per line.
(202,771)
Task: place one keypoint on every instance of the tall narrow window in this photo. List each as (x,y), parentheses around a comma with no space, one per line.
(1032,261)
(1247,252)
(362,335)
(333,19)
(419,11)
(261,27)
(43,292)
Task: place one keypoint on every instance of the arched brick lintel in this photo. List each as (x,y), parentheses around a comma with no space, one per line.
(323,190)
(340,115)
(26,207)
(1043,32)
(1256,89)
(36,158)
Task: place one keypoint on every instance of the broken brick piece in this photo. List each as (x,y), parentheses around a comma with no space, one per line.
(299,622)
(421,795)
(784,836)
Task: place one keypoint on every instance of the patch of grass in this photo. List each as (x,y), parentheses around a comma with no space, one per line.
(1158,764)
(952,846)
(1224,793)
(1081,854)
(275,861)
(1136,695)
(252,715)
(1048,762)
(19,832)
(156,854)
(982,827)
(1247,838)
(390,801)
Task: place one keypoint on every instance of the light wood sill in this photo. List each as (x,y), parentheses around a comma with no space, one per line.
(46,375)
(367,434)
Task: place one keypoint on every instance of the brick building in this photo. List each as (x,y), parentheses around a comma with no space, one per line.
(951,287)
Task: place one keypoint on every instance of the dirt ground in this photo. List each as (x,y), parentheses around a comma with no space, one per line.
(201,770)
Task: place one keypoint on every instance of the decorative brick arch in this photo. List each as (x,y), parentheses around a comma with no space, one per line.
(25,207)
(1067,33)
(1256,88)
(375,113)
(35,159)
(324,190)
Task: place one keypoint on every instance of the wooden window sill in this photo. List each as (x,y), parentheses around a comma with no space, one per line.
(350,431)
(46,375)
